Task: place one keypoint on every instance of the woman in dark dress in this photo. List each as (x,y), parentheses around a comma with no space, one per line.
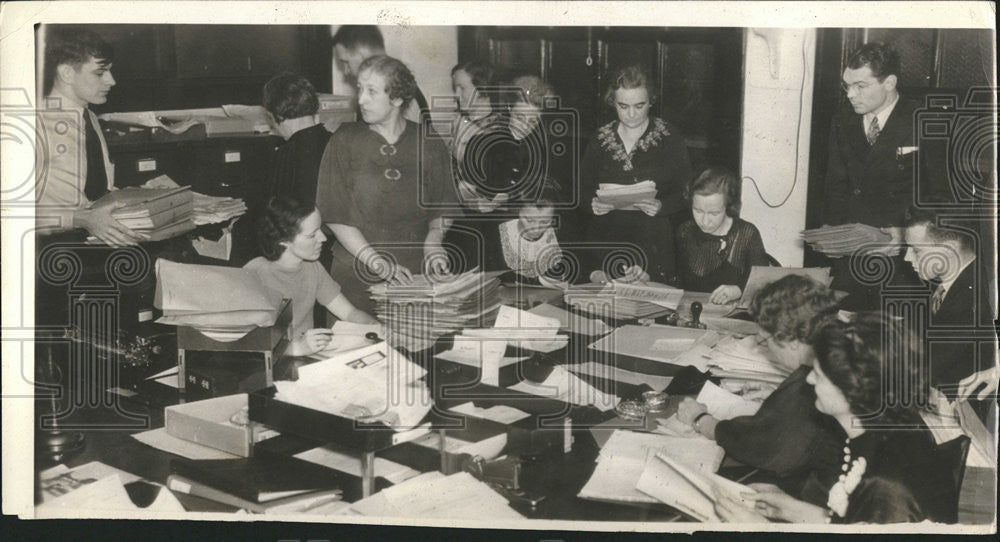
(635,148)
(383,191)
(867,378)
(717,248)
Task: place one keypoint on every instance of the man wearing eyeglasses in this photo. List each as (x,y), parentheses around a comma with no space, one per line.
(870,169)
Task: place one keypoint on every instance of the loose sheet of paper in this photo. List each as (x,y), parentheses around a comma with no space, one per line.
(684,488)
(723,405)
(664,296)
(573,323)
(600,370)
(500,413)
(351,464)
(562,385)
(434,495)
(657,343)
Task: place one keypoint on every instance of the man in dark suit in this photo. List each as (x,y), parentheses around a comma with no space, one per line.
(962,302)
(870,170)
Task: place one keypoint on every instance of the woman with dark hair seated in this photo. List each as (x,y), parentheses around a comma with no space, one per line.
(867,378)
(290,238)
(717,248)
(787,434)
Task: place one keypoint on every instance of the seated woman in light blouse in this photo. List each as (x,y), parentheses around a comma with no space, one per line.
(717,248)
(383,190)
(290,238)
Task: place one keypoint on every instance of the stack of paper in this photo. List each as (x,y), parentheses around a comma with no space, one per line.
(425,309)
(372,384)
(623,301)
(744,359)
(624,456)
(844,239)
(434,495)
(214,209)
(158,213)
(562,385)
(211,298)
(684,487)
(625,196)
(761,276)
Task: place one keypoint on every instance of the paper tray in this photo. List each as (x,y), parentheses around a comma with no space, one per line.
(257,340)
(288,418)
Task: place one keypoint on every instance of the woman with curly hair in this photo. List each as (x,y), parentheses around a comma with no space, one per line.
(867,379)
(787,434)
(290,238)
(384,188)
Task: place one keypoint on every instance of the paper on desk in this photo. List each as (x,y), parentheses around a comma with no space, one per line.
(562,385)
(161,440)
(624,457)
(664,296)
(509,317)
(573,323)
(674,427)
(332,458)
(95,486)
(374,383)
(731,326)
(946,428)
(687,489)
(500,413)
(708,309)
(657,343)
(723,405)
(609,372)
(349,336)
(434,495)
(487,355)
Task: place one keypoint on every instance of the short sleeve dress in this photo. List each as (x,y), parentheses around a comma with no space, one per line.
(390,192)
(659,155)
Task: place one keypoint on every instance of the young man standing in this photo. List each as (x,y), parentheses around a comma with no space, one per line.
(75,169)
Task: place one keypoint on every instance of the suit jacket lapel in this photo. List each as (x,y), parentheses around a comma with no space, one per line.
(897,131)
(856,136)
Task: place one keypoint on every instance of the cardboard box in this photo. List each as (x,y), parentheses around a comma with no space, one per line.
(208,423)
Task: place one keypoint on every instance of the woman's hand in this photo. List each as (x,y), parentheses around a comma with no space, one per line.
(689,409)
(389,271)
(634,273)
(600,208)
(727,293)
(732,511)
(651,206)
(312,341)
(989,377)
(774,503)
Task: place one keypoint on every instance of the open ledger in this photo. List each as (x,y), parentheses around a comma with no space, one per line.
(688,489)
(624,457)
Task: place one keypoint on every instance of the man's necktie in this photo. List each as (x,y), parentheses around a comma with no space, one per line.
(937,298)
(873,131)
(97,177)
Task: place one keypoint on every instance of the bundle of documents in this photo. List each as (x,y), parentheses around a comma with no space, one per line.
(684,487)
(625,196)
(434,495)
(845,239)
(744,359)
(622,301)
(158,213)
(624,457)
(761,276)
(371,384)
(215,209)
(213,299)
(425,309)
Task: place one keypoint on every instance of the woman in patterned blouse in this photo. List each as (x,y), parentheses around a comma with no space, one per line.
(635,148)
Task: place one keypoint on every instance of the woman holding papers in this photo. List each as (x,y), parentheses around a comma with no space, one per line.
(290,237)
(384,187)
(637,148)
(717,248)
(867,378)
(787,434)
